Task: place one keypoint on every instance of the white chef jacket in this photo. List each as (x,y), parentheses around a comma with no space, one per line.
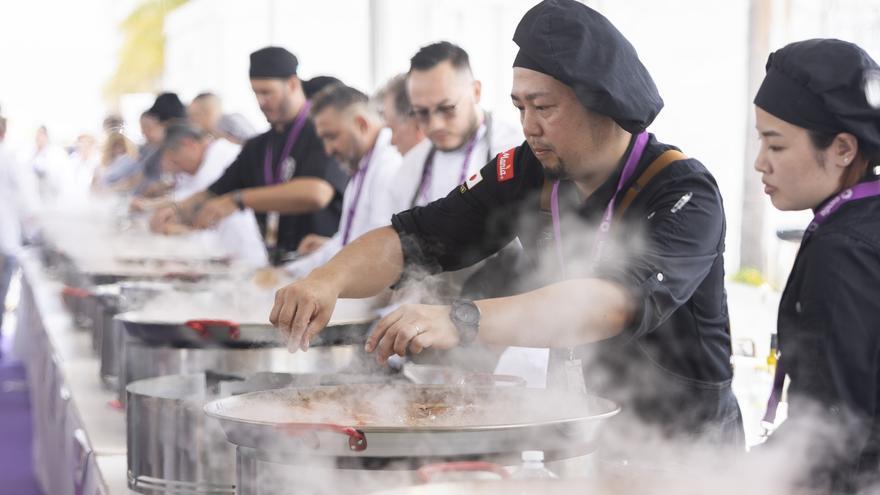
(239,232)
(446,173)
(374,208)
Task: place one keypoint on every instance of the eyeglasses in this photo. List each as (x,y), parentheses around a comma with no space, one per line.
(423,115)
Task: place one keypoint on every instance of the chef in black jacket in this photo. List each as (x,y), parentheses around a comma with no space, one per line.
(284,175)
(820,144)
(649,329)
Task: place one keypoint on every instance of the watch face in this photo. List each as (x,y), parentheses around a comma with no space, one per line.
(466,313)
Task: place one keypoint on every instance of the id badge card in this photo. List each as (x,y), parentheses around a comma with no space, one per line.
(288,168)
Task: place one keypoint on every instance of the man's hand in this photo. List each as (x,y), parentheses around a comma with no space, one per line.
(302,310)
(142,204)
(311,243)
(163,217)
(415,327)
(215,210)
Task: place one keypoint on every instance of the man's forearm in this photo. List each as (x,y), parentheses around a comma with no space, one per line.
(296,197)
(189,207)
(367,266)
(565,314)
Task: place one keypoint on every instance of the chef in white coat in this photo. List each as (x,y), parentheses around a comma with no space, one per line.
(353,133)
(462,137)
(196,159)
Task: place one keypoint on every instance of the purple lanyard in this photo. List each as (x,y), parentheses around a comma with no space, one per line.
(859,191)
(428,170)
(361,177)
(629,170)
(292,136)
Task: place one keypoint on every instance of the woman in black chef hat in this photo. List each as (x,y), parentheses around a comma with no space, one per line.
(817,117)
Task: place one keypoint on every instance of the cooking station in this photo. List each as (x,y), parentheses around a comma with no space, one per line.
(158,373)
(88,327)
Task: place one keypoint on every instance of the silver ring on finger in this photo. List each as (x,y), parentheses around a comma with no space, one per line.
(419,330)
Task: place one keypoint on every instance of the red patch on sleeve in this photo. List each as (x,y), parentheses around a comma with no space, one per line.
(505,165)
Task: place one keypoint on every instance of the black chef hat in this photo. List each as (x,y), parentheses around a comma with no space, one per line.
(167,107)
(273,62)
(823,85)
(579,47)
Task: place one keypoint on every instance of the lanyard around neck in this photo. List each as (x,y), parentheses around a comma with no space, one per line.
(292,136)
(626,175)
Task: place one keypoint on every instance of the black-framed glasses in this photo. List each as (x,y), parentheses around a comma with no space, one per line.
(423,115)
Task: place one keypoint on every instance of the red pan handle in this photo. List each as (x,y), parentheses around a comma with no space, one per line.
(357,441)
(75,292)
(201,327)
(428,471)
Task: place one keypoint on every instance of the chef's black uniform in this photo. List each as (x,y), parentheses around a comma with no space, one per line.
(829,315)
(308,153)
(671,366)
(829,336)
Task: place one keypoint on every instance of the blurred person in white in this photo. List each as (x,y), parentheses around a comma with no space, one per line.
(84,161)
(205,112)
(820,150)
(196,160)
(18,190)
(396,111)
(51,165)
(352,131)
(445,102)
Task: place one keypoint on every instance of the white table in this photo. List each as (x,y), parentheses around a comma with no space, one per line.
(78,438)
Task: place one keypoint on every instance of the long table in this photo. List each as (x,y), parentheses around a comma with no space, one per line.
(78,436)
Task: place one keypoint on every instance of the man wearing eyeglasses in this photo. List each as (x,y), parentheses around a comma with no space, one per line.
(462,137)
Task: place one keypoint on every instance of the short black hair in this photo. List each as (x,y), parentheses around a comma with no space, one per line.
(396,90)
(176,132)
(338,96)
(432,55)
(313,86)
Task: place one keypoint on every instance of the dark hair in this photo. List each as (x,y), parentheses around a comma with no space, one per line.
(312,86)
(338,96)
(396,90)
(859,167)
(432,55)
(176,132)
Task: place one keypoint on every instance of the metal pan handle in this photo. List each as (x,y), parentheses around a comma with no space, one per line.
(428,471)
(184,276)
(488,380)
(357,441)
(75,292)
(201,327)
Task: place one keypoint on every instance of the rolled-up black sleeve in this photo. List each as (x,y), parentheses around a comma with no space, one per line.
(467,225)
(682,218)
(234,177)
